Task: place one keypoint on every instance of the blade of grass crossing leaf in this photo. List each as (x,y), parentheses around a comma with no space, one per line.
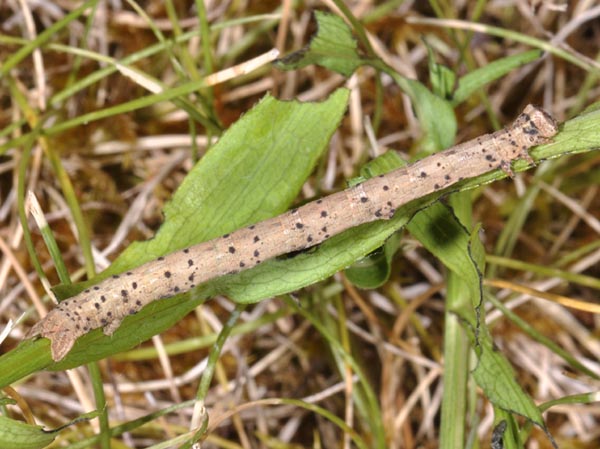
(477,79)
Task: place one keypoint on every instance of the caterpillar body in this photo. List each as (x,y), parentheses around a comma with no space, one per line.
(107,303)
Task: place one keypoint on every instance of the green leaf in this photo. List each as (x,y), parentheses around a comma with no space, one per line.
(496,378)
(20,435)
(435,114)
(254,172)
(333,47)
(478,78)
(438,229)
(374,270)
(591,108)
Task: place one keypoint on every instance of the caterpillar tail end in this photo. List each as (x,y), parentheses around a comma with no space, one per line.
(61,337)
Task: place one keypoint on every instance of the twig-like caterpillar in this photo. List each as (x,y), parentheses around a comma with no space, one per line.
(107,303)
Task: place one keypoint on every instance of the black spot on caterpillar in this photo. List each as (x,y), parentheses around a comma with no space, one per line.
(105,305)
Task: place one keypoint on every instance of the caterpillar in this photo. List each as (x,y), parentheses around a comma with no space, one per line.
(106,304)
